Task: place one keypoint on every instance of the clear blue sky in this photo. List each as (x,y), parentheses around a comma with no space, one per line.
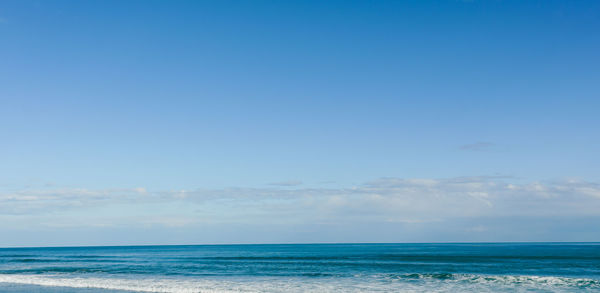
(312,99)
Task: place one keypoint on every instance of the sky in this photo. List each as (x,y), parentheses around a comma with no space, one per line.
(192,122)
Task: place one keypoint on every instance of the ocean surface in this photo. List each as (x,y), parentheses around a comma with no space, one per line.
(468,267)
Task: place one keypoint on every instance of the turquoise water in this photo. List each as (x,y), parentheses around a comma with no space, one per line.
(525,267)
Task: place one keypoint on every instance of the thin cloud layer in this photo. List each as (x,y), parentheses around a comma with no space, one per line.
(287,183)
(385,199)
(478,146)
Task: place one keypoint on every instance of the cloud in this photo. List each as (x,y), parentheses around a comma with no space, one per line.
(45,200)
(478,228)
(490,207)
(391,193)
(477,147)
(287,183)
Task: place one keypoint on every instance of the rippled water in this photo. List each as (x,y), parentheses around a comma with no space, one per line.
(537,267)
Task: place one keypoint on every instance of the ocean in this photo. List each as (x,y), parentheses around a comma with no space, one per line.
(457,267)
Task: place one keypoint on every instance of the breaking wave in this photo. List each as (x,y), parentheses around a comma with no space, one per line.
(386,283)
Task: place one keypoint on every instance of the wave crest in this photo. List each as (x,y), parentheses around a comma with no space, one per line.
(400,283)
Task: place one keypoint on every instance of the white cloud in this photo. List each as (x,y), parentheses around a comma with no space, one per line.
(287,183)
(397,200)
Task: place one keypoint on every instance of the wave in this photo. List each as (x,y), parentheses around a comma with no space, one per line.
(399,283)
(16,255)
(509,279)
(26,260)
(412,257)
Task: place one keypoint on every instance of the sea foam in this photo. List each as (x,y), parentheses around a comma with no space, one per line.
(402,283)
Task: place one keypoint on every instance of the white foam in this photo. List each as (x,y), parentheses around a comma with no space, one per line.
(140,285)
(422,283)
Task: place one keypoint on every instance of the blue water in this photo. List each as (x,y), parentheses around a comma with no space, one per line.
(525,267)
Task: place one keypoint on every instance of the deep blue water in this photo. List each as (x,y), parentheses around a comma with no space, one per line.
(531,267)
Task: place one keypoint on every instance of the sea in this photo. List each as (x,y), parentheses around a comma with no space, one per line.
(423,267)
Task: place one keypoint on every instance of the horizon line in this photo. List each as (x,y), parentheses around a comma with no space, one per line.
(307,243)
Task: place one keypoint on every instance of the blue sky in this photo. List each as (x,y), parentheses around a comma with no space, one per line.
(200,121)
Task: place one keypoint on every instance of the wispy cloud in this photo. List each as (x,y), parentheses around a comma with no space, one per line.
(408,200)
(44,200)
(287,183)
(478,146)
(479,208)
